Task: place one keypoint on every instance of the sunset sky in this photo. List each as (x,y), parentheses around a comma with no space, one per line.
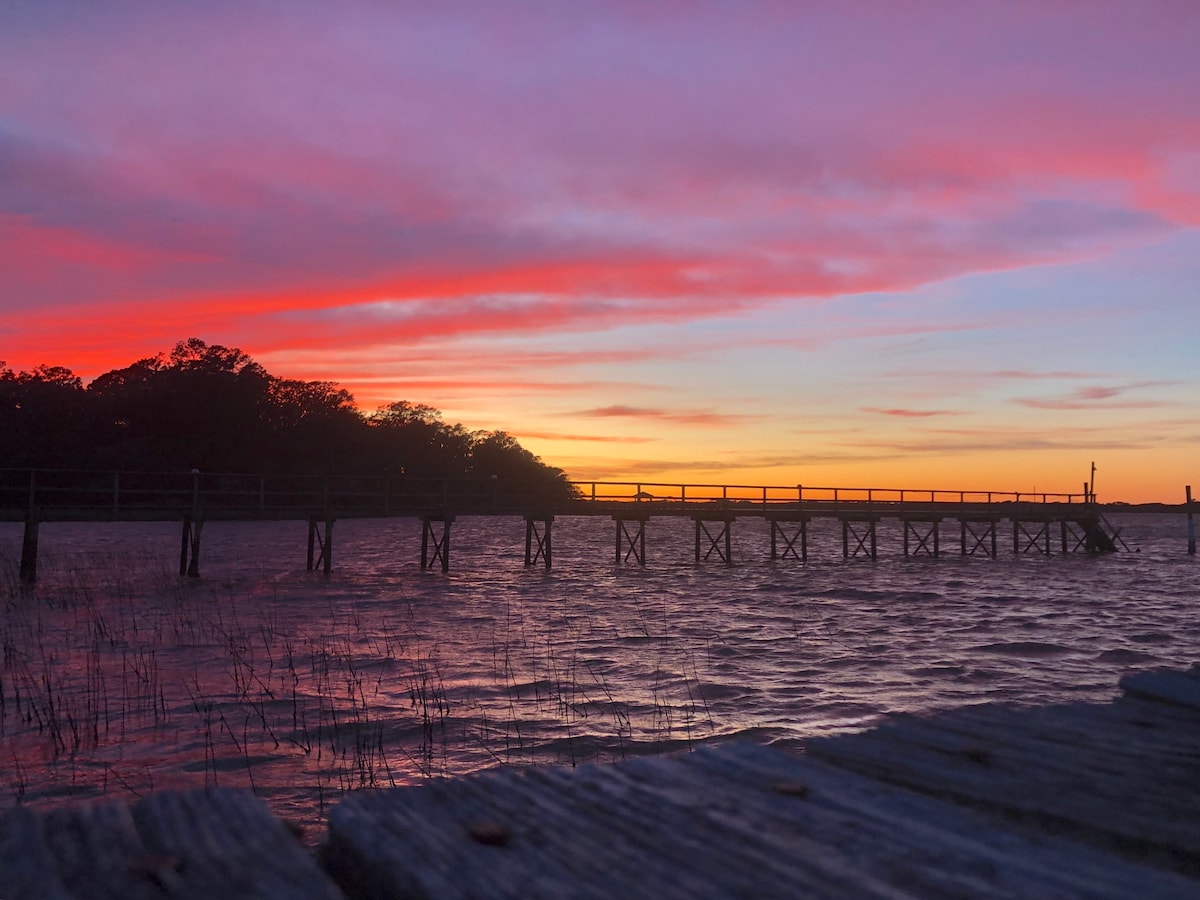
(895,244)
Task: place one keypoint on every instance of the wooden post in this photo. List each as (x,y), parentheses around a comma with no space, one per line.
(630,544)
(1191,523)
(789,540)
(183,546)
(116,493)
(327,550)
(29,548)
(320,545)
(722,537)
(441,544)
(544,549)
(189,548)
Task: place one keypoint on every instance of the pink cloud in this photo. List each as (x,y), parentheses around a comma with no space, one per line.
(911,413)
(683,417)
(1097,397)
(226,172)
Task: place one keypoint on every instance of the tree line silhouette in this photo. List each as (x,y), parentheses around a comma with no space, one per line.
(213,408)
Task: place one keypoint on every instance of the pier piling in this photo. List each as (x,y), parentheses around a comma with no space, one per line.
(1191,523)
(320,545)
(922,541)
(189,548)
(440,543)
(865,543)
(29,550)
(537,540)
(1037,540)
(631,544)
(779,534)
(715,541)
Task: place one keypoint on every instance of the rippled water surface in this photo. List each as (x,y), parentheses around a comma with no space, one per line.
(119,677)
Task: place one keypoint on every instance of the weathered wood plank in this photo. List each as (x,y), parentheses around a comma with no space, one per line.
(27,868)
(196,844)
(739,820)
(1143,805)
(1180,688)
(929,846)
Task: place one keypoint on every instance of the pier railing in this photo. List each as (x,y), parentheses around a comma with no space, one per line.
(58,494)
(33,496)
(776,496)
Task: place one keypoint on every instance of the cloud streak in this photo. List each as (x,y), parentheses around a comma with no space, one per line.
(543,208)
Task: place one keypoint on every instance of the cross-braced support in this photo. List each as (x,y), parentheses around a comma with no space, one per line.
(320,545)
(440,543)
(29,550)
(863,532)
(979,537)
(189,548)
(922,541)
(631,542)
(1035,541)
(783,544)
(720,543)
(537,540)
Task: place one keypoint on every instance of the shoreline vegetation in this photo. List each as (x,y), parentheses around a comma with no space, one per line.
(118,685)
(215,409)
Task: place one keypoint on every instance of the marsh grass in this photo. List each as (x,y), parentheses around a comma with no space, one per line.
(115,684)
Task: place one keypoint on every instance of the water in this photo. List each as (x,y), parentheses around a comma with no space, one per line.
(118,677)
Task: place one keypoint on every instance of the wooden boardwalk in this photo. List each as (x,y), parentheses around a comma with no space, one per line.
(1040,523)
(1075,800)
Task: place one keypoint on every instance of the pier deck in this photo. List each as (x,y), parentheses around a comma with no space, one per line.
(1074,800)
(37,496)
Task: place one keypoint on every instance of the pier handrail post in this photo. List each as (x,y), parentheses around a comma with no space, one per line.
(32,490)
(1191,522)
(116,492)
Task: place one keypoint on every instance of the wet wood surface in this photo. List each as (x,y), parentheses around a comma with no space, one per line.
(1073,800)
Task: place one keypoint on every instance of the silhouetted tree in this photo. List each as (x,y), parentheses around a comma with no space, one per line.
(44,418)
(215,408)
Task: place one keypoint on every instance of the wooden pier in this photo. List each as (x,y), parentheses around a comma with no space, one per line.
(988,801)
(1041,524)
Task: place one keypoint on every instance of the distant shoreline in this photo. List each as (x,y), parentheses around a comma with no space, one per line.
(1119,506)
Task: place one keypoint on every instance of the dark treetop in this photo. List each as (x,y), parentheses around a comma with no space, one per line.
(214,408)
